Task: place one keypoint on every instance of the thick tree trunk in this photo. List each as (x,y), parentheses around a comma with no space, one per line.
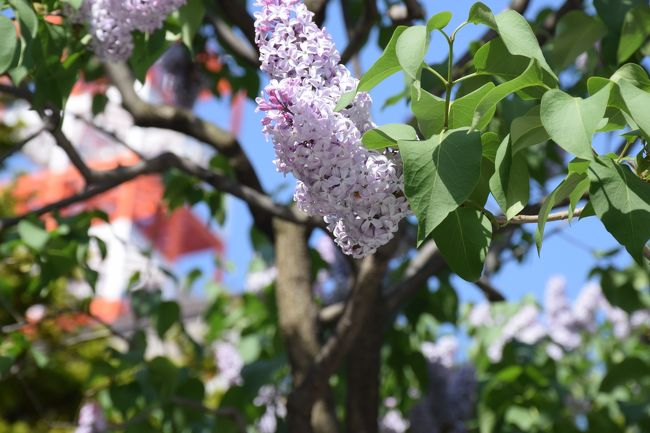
(298,323)
(363,377)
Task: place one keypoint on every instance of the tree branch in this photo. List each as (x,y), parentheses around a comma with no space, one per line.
(234,43)
(490,292)
(110,179)
(427,262)
(17,147)
(527,219)
(359,34)
(236,13)
(186,122)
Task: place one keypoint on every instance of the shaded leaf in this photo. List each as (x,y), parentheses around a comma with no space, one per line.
(463,239)
(622,202)
(510,182)
(439,175)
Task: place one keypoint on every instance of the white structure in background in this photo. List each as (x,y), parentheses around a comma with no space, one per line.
(92,137)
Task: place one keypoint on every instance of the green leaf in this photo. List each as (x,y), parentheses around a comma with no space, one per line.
(439,175)
(622,202)
(479,13)
(510,182)
(147,49)
(438,21)
(563,190)
(39,356)
(490,142)
(576,195)
(613,12)
(250,348)
(167,313)
(463,239)
(8,43)
(520,39)
(411,48)
(480,194)
(571,122)
(74,3)
(620,291)
(636,28)
(26,16)
(385,66)
(461,111)
(494,58)
(191,16)
(444,303)
(388,135)
(346,99)
(576,32)
(637,102)
(429,111)
(630,369)
(32,234)
(532,76)
(634,74)
(527,130)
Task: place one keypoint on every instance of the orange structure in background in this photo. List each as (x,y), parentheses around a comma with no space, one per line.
(139,200)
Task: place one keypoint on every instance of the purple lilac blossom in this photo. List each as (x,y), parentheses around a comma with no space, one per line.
(563,323)
(586,306)
(358,192)
(111,22)
(229,365)
(393,422)
(91,419)
(271,398)
(442,352)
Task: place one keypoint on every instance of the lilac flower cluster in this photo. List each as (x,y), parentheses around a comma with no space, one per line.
(358,192)
(91,419)
(393,422)
(451,399)
(270,397)
(229,365)
(111,22)
(564,324)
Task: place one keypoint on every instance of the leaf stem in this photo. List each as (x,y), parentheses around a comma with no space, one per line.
(467,77)
(625,149)
(450,80)
(436,73)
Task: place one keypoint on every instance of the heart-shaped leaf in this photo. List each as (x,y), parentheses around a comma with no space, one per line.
(571,122)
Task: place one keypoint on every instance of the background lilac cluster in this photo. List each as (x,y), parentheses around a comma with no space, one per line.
(111,22)
(564,324)
(358,192)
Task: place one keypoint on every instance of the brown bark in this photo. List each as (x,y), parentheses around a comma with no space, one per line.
(298,321)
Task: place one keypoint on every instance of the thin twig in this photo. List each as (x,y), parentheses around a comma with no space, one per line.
(528,219)
(17,147)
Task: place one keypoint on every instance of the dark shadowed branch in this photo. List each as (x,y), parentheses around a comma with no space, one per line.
(107,180)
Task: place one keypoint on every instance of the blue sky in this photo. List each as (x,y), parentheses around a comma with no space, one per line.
(566,254)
